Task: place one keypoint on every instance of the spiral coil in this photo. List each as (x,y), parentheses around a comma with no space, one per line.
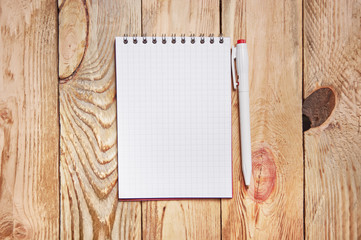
(173,39)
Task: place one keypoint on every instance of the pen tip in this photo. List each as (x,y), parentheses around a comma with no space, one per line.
(241,41)
(247,181)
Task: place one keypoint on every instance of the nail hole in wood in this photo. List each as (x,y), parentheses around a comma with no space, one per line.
(317,108)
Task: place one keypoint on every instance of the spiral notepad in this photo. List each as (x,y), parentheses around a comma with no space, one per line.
(173,117)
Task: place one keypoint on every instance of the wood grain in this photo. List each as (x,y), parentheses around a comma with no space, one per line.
(180,17)
(181,219)
(29,128)
(332,59)
(88,161)
(272,206)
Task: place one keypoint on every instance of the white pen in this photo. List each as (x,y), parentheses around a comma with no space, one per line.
(240,54)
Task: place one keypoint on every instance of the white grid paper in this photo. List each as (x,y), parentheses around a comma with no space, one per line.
(174,119)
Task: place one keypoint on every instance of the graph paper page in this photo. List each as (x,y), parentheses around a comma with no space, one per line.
(174,119)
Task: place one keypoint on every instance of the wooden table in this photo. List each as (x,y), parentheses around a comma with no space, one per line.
(60,180)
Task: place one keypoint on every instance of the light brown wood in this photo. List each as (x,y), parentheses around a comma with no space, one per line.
(29,128)
(272,206)
(332,58)
(73,34)
(89,201)
(180,17)
(181,219)
(270,209)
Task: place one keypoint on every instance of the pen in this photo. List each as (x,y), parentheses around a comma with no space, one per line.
(240,55)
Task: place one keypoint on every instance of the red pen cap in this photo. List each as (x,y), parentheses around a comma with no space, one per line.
(241,41)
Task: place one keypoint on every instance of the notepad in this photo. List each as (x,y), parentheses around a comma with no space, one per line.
(173,117)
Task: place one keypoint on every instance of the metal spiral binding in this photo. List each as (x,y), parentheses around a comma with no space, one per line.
(193,39)
(183,38)
(211,36)
(221,38)
(145,39)
(173,39)
(202,38)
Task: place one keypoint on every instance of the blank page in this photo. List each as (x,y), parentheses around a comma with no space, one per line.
(174,119)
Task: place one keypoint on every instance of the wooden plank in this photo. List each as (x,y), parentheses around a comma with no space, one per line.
(272,206)
(332,59)
(88,161)
(186,219)
(29,128)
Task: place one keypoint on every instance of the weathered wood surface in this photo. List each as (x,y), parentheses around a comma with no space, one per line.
(29,127)
(186,219)
(332,59)
(88,160)
(272,206)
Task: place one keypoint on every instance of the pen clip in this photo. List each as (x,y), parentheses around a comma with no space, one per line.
(234,79)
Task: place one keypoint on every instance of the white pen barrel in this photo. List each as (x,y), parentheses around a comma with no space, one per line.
(245,135)
(245,124)
(242,67)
